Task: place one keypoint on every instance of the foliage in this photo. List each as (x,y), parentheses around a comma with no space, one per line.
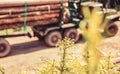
(64,45)
(72,65)
(69,64)
(107,66)
(49,68)
(91,26)
(2,70)
(23,72)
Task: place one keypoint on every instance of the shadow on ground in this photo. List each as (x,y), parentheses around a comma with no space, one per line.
(27,47)
(31,46)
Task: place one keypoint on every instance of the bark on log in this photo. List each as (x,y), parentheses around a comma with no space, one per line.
(38,13)
(35,13)
(29,18)
(52,21)
(34,23)
(18,3)
(29,9)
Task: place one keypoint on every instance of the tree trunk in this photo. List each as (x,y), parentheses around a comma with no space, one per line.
(20,3)
(36,13)
(17,10)
(29,18)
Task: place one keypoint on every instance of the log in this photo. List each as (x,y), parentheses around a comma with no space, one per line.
(39,13)
(29,18)
(29,9)
(35,13)
(50,21)
(18,3)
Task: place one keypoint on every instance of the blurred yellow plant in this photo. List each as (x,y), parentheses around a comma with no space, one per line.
(23,72)
(91,27)
(2,70)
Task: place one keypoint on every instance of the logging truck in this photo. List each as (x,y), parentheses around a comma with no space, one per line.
(51,20)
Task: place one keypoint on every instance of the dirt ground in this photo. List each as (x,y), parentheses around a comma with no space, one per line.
(28,53)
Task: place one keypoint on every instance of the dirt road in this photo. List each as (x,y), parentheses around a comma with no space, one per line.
(25,54)
(28,53)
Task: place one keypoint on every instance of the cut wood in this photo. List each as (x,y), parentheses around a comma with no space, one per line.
(29,18)
(18,3)
(35,13)
(50,21)
(29,9)
(33,23)
(38,13)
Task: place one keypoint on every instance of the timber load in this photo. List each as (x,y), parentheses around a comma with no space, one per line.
(14,13)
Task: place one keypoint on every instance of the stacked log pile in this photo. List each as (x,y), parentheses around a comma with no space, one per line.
(39,12)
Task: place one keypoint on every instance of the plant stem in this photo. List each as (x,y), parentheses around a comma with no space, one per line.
(63,61)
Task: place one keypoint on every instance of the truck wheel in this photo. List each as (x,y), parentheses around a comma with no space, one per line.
(4,48)
(111,30)
(72,33)
(52,38)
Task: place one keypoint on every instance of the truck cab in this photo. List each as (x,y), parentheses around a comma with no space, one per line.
(109,14)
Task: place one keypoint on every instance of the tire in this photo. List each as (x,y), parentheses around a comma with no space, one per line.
(72,33)
(52,38)
(4,48)
(111,30)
